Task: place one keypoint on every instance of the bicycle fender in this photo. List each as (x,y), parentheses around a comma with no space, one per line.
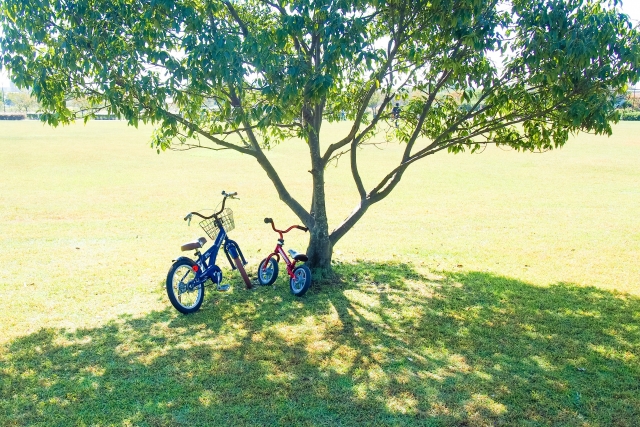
(237,247)
(232,249)
(226,252)
(182,258)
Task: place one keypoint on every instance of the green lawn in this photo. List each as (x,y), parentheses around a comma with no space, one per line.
(490,289)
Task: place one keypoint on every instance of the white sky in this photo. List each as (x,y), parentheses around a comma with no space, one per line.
(630,7)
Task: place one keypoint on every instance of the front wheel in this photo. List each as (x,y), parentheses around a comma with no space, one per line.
(184,291)
(267,272)
(300,281)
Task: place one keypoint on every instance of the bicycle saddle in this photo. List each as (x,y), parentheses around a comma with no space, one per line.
(196,244)
(298,257)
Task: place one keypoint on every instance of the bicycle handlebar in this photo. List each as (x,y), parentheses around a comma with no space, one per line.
(270,221)
(224,200)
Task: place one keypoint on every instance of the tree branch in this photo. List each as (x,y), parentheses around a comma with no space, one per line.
(299,44)
(236,17)
(425,110)
(263,161)
(391,180)
(363,108)
(209,136)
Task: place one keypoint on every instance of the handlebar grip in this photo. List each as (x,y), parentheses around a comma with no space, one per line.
(187,217)
(302,228)
(268,221)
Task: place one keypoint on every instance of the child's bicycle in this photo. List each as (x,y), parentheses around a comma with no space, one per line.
(187,278)
(299,277)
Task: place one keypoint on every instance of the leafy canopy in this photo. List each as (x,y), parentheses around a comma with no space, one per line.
(217,66)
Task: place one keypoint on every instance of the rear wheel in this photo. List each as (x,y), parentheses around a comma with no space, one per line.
(301,280)
(267,272)
(184,292)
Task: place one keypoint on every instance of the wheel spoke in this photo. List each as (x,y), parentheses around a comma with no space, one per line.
(300,281)
(185,296)
(185,275)
(183,285)
(267,273)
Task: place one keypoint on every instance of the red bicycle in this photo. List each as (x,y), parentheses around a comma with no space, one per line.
(299,277)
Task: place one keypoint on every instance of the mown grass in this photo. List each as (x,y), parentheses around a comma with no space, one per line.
(491,289)
(389,345)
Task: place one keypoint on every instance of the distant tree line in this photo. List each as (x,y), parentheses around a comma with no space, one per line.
(19,102)
(21,105)
(629,105)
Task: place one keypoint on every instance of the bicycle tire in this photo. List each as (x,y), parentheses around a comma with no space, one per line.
(174,294)
(301,281)
(269,276)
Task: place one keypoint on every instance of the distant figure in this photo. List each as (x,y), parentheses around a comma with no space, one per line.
(395,112)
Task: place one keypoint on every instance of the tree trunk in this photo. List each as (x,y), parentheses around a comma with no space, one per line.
(320,248)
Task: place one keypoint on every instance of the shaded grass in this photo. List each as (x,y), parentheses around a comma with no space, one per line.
(389,344)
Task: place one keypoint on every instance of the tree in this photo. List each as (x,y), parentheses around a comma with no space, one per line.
(631,99)
(22,100)
(245,75)
(374,102)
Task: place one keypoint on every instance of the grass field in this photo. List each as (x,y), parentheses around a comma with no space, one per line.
(490,289)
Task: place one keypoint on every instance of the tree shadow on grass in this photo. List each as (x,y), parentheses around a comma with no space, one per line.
(386,345)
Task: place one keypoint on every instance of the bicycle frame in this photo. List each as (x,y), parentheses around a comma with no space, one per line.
(279,252)
(299,274)
(187,277)
(206,263)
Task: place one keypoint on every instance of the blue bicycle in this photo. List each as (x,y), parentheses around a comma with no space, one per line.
(187,278)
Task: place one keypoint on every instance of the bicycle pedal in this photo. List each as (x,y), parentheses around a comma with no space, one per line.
(223,288)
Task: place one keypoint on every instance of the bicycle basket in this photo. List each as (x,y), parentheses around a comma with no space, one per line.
(211,228)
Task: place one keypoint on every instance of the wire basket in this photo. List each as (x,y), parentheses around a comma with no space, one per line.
(211,227)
